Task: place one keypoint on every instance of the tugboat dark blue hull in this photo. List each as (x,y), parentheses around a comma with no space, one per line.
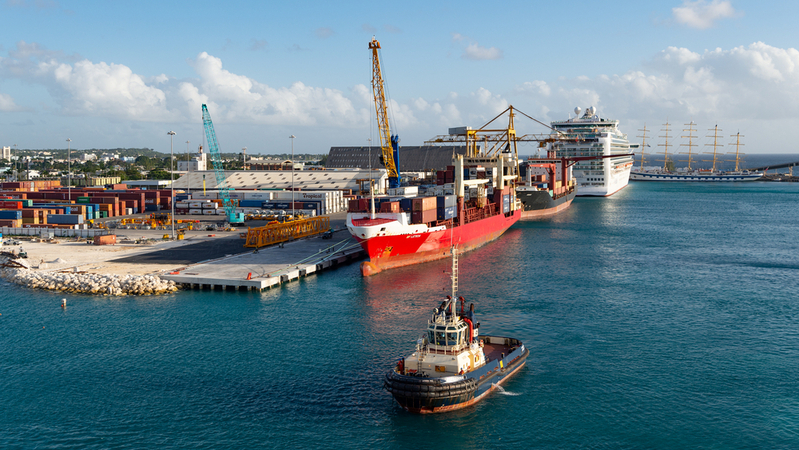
(425,395)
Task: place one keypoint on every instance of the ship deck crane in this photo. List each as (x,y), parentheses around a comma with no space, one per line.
(219,170)
(388,144)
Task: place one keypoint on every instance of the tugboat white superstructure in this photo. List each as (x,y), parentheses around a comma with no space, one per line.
(591,135)
(452,366)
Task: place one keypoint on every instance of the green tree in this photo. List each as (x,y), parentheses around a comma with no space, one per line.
(132,173)
(158,174)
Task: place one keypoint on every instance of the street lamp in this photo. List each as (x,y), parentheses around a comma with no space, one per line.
(16,156)
(172,179)
(69,171)
(292,176)
(188,165)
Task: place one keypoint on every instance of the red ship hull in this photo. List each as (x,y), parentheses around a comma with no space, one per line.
(388,252)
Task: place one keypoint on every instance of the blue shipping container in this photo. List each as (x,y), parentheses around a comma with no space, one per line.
(65,219)
(11,215)
(447,213)
(446,201)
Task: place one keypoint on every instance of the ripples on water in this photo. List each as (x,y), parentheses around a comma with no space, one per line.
(662,317)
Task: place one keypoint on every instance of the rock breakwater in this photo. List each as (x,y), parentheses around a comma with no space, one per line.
(88,283)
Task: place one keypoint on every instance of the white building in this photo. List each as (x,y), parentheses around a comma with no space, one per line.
(196,164)
(6,153)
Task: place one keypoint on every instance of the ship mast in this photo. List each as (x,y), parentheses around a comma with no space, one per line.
(738,144)
(666,145)
(715,144)
(643,145)
(691,144)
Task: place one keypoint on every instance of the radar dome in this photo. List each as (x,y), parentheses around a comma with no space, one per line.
(577,111)
(590,110)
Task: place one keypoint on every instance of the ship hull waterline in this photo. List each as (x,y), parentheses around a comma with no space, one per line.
(389,252)
(536,204)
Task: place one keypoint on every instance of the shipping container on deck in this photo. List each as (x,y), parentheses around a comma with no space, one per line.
(390,207)
(424,204)
(426,216)
(448,212)
(446,201)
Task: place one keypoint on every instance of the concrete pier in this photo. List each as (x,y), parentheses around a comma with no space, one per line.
(270,266)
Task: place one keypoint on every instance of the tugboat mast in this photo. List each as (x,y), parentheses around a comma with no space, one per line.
(454,297)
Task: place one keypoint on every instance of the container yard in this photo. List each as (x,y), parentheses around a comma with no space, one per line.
(119,241)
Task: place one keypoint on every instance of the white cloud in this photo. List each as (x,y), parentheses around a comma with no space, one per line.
(7,103)
(473,50)
(701,15)
(477,52)
(754,82)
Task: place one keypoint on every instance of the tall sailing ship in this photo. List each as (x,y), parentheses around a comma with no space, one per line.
(592,136)
(690,173)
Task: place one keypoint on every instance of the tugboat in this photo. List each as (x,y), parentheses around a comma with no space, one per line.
(453,367)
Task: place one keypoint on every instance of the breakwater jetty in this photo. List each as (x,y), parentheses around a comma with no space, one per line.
(85,283)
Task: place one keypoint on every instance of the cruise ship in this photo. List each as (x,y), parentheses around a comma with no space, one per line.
(603,155)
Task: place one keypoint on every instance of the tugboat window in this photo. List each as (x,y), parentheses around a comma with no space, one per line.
(452,338)
(440,340)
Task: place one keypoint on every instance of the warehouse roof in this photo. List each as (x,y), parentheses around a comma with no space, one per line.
(280,179)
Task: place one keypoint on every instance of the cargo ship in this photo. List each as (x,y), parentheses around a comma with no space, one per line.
(453,366)
(608,171)
(548,186)
(475,205)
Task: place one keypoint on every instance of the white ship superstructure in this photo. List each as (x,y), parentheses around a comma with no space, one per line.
(592,136)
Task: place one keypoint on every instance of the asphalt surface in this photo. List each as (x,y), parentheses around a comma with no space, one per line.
(190,253)
(207,249)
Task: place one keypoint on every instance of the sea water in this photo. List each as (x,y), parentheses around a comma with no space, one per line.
(665,316)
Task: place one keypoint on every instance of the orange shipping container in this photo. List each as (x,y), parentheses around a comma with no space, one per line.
(108,239)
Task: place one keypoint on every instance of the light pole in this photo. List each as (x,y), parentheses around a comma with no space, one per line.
(69,171)
(292,176)
(244,158)
(16,156)
(188,165)
(371,185)
(172,179)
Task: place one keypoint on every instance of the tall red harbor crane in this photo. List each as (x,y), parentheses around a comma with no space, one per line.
(388,144)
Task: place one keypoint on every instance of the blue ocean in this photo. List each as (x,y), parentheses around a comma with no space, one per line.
(663,317)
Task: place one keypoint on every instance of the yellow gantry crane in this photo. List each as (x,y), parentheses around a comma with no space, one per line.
(388,144)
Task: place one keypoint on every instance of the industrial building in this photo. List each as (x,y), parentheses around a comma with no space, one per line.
(411,159)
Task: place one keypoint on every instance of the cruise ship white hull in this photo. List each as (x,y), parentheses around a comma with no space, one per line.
(602,153)
(697,177)
(613,180)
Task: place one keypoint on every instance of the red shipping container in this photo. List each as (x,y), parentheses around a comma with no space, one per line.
(424,216)
(390,207)
(10,205)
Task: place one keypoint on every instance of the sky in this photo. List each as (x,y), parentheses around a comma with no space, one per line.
(123,74)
